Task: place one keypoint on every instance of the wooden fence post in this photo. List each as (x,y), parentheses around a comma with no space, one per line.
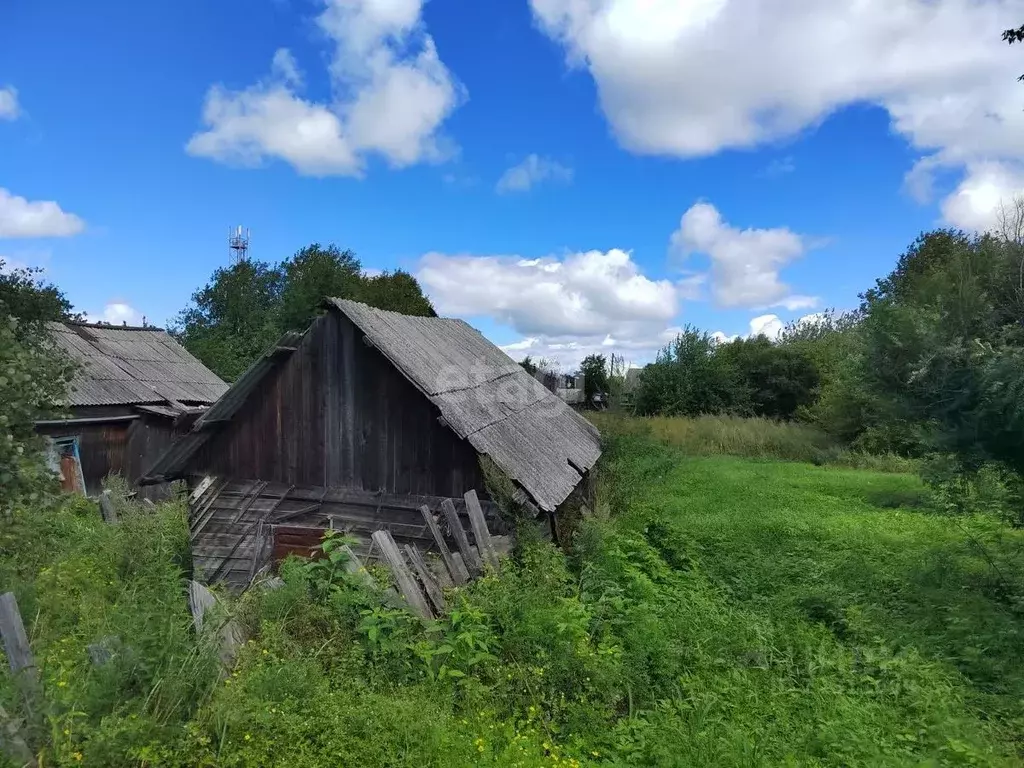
(430,585)
(458,575)
(23,663)
(471,558)
(403,576)
(480,532)
(107,508)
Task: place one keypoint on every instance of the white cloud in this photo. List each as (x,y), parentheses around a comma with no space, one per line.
(766,325)
(690,78)
(976,202)
(779,167)
(391,95)
(745,263)
(116,313)
(769,325)
(40,218)
(533,170)
(563,308)
(9,107)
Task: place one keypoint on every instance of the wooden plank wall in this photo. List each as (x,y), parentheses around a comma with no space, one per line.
(126,448)
(101,448)
(233,524)
(337,413)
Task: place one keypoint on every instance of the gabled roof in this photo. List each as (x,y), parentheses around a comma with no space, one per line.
(483,395)
(124,365)
(487,399)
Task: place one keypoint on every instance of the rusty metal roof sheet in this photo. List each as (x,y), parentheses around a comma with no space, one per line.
(121,365)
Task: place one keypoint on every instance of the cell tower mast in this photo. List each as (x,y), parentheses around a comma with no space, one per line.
(238,244)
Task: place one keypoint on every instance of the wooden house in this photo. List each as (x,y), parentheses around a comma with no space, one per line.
(359,422)
(133,391)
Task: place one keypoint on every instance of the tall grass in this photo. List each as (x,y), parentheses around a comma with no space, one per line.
(755,438)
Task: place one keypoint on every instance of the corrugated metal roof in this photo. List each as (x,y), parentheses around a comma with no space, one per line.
(126,366)
(487,398)
(484,396)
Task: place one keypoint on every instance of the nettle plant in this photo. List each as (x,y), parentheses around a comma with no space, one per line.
(449,648)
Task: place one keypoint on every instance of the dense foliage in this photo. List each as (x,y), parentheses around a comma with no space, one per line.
(595,377)
(697,375)
(730,612)
(246,307)
(33,380)
(930,365)
(24,294)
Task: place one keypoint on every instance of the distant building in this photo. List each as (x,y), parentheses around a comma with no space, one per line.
(134,390)
(569,387)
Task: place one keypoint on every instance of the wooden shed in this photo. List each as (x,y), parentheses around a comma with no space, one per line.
(359,422)
(134,391)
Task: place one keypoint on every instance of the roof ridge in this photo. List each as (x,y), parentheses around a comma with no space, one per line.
(112,327)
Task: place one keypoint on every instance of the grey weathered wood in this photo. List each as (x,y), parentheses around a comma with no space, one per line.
(355,566)
(403,576)
(23,668)
(200,600)
(107,508)
(200,489)
(12,742)
(442,546)
(459,534)
(230,635)
(19,653)
(432,588)
(460,566)
(480,532)
(149,505)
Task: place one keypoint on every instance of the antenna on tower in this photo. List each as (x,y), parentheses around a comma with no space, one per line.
(238,244)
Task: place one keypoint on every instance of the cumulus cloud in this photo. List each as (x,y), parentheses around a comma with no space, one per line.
(9,107)
(38,218)
(766,325)
(695,77)
(116,313)
(984,191)
(769,325)
(391,95)
(562,308)
(533,170)
(745,263)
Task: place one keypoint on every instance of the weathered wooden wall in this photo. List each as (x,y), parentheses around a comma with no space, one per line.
(239,527)
(336,413)
(101,448)
(119,447)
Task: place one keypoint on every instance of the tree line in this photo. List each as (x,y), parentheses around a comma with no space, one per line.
(246,307)
(930,365)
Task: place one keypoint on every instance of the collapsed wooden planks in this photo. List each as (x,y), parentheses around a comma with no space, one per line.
(418,584)
(240,528)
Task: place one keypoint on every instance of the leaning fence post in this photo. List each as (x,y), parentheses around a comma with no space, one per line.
(19,656)
(470,557)
(480,532)
(107,508)
(403,576)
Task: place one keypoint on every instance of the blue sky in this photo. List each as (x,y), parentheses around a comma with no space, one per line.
(569,176)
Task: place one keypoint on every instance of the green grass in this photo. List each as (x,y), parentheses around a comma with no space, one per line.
(719,611)
(754,438)
(840,584)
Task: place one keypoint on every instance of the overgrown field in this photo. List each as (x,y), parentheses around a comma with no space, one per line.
(721,611)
